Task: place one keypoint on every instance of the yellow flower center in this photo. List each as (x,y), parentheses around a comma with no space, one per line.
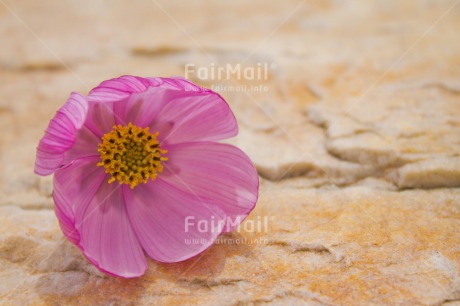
(131,155)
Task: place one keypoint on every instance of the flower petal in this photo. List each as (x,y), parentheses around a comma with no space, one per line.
(141,108)
(182,84)
(92,214)
(74,185)
(166,221)
(107,238)
(118,89)
(215,171)
(85,145)
(186,112)
(133,99)
(119,101)
(195,116)
(60,134)
(100,119)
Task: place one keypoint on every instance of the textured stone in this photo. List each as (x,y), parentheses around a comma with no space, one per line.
(356,140)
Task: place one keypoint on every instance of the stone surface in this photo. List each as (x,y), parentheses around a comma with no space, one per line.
(356,139)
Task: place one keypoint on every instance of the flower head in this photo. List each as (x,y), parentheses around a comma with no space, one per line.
(134,161)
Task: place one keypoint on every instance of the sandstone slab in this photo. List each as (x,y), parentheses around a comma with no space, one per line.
(355,133)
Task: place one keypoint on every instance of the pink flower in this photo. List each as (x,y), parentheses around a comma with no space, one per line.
(137,169)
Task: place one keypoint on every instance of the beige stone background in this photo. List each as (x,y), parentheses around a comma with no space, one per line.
(356,140)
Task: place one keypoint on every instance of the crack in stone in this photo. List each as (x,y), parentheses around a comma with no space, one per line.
(288,170)
(301,247)
(26,207)
(305,298)
(452,89)
(385,162)
(163,50)
(209,283)
(42,66)
(448,302)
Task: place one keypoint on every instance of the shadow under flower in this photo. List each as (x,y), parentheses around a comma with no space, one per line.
(205,266)
(68,278)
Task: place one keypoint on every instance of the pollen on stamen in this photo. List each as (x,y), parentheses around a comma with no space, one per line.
(131,155)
